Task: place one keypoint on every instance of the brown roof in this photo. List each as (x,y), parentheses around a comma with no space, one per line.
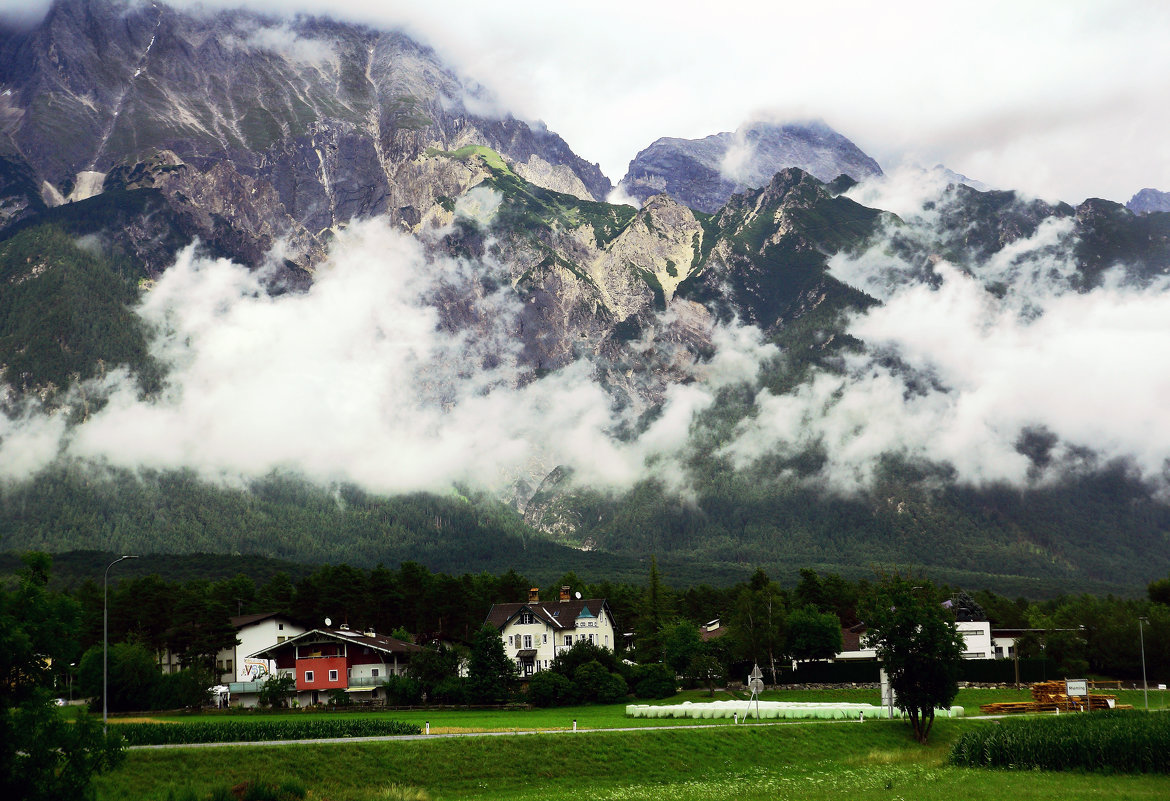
(378,642)
(239,621)
(557,614)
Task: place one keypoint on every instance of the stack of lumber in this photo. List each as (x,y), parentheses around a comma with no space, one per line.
(1050,696)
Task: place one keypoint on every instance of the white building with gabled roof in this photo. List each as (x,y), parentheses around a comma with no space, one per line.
(534,632)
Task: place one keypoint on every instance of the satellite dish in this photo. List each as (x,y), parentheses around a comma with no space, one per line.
(328,622)
(578,596)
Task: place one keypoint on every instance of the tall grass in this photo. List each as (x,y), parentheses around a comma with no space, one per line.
(1121,741)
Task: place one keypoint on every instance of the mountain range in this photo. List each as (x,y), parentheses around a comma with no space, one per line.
(294,287)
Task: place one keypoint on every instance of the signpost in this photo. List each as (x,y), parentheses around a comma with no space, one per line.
(756,685)
(1078,688)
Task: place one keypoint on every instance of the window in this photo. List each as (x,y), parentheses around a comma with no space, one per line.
(509,639)
(568,639)
(280,627)
(543,639)
(333,675)
(281,638)
(308,677)
(593,638)
(527,640)
(526,619)
(374,672)
(606,640)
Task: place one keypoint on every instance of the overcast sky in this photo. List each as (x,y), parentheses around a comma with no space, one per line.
(1063,99)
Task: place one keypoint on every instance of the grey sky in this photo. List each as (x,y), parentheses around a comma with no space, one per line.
(1060,99)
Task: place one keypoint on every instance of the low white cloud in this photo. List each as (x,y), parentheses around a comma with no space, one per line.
(284,40)
(396,370)
(959,365)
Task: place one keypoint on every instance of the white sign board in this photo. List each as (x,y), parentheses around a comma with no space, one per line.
(1076,687)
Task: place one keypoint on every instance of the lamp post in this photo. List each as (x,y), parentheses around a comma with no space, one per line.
(1142,640)
(106,639)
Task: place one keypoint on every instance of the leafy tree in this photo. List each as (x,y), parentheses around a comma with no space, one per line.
(491,675)
(277,691)
(402,690)
(813,634)
(549,688)
(184,689)
(919,647)
(432,666)
(681,643)
(133,678)
(42,755)
(758,621)
(707,670)
(652,681)
(1159,591)
(592,683)
(582,652)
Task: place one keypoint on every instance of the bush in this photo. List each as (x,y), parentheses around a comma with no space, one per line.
(182,690)
(452,690)
(548,688)
(592,683)
(402,690)
(276,691)
(652,681)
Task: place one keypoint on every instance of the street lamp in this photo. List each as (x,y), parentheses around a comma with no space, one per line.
(106,639)
(1142,640)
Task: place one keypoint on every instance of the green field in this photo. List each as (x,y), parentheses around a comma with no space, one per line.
(703,760)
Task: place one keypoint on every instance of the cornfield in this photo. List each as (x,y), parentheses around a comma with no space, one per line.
(240,731)
(1120,741)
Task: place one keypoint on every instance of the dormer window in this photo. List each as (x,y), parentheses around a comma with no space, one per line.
(526,619)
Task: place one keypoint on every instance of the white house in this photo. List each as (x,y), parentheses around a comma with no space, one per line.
(534,632)
(327,659)
(253,632)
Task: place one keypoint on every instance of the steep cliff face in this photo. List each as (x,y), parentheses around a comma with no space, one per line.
(766,250)
(307,124)
(704,173)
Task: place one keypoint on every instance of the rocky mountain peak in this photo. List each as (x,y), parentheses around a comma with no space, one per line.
(704,173)
(1148,201)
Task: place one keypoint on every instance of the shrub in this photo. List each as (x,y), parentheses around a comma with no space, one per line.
(652,681)
(402,690)
(592,683)
(548,688)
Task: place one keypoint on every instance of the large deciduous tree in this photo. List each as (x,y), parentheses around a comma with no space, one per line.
(918,645)
(43,755)
(491,675)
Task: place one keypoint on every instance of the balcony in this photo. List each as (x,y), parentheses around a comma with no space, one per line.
(366,681)
(237,687)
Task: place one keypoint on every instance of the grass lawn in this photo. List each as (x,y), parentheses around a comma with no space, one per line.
(876,759)
(446,721)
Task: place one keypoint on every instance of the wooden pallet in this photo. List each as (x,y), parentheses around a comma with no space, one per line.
(1050,696)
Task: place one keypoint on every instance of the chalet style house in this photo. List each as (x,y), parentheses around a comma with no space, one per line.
(333,659)
(534,632)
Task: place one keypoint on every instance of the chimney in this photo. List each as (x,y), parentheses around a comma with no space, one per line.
(564,594)
(534,595)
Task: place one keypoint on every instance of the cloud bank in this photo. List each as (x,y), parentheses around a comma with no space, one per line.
(1063,104)
(962,365)
(361,380)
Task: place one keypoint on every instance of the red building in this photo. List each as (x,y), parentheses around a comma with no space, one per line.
(339,659)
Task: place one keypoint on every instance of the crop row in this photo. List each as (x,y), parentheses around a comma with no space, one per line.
(239,731)
(1117,741)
